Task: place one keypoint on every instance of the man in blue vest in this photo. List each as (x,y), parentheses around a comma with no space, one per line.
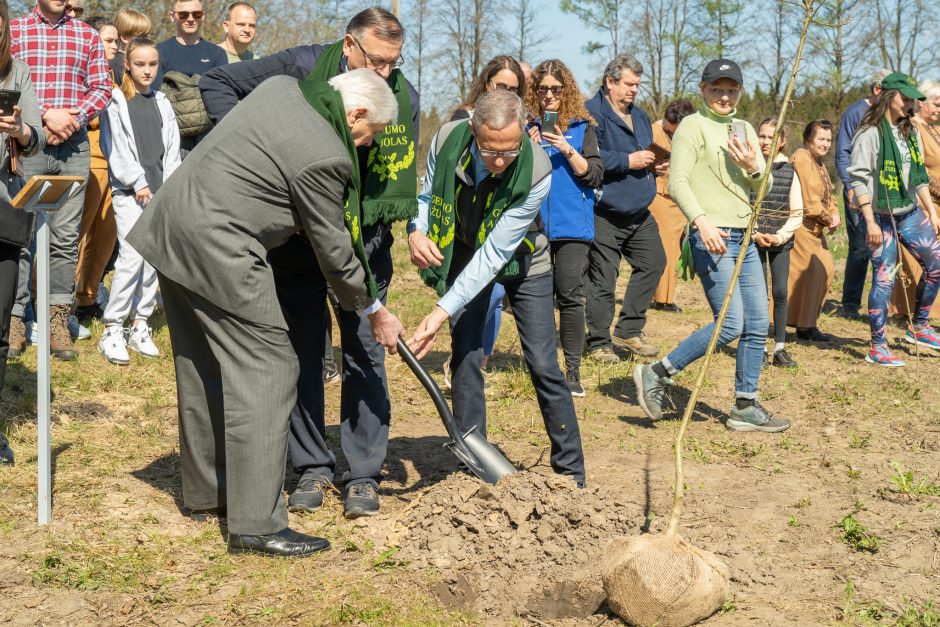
(623,225)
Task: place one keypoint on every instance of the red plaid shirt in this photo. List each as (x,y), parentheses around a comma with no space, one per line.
(66,62)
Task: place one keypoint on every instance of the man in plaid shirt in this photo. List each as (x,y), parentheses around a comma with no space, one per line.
(70,74)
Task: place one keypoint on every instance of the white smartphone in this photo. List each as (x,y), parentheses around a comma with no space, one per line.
(739,130)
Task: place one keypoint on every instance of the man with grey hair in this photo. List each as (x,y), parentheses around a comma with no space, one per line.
(856,263)
(373,40)
(247,188)
(623,225)
(478,220)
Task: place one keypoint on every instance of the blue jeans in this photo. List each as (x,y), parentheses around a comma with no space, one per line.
(916,233)
(856,264)
(493,319)
(747,314)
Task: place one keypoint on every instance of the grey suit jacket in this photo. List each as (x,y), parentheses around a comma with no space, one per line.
(272,168)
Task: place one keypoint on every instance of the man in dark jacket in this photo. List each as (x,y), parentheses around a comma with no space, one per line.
(623,225)
(373,40)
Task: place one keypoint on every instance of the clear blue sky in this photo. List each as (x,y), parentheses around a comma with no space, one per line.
(566,39)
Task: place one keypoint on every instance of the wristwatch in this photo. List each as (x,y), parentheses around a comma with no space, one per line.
(755,175)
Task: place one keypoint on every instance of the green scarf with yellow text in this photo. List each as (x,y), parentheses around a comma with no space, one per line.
(513,189)
(890,189)
(391,177)
(328,103)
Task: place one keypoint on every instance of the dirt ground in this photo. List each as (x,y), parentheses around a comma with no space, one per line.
(835,521)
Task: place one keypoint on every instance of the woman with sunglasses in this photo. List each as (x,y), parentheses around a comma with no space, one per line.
(892,190)
(568,211)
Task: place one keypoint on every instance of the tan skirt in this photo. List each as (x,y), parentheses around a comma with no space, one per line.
(811,273)
(913,272)
(671,224)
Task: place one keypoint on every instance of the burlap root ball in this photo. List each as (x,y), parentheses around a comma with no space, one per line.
(663,580)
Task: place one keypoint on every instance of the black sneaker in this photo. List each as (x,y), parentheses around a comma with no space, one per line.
(813,334)
(783,359)
(755,418)
(362,499)
(87,313)
(308,495)
(765,363)
(330,373)
(650,390)
(573,379)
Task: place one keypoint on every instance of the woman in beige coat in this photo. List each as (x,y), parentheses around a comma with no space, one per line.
(811,269)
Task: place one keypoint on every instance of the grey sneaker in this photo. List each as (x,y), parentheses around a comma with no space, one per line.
(755,418)
(362,499)
(650,390)
(308,495)
(573,379)
(605,354)
(636,345)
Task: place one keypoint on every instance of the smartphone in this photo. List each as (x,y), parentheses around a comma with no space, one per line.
(549,121)
(8,99)
(739,130)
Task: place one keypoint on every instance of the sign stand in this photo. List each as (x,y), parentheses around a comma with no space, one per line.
(44,194)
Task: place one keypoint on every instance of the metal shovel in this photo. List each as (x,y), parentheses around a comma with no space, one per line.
(472,448)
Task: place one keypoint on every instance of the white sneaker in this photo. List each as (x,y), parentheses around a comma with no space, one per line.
(78,331)
(113,346)
(142,342)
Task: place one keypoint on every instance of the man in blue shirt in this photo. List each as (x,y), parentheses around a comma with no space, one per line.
(856,265)
(473,239)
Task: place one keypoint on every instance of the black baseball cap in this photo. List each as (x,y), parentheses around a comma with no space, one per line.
(722,68)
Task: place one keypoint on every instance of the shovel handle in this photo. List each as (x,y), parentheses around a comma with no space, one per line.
(432,388)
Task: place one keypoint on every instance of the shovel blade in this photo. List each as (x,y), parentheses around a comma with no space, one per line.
(484,460)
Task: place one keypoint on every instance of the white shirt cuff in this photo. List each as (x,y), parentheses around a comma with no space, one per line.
(371,309)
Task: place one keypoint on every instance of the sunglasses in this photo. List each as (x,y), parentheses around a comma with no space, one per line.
(75,11)
(504,86)
(184,15)
(555,89)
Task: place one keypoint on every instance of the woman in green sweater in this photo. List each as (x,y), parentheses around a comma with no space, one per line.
(712,172)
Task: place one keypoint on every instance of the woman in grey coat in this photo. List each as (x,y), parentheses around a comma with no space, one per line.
(22,127)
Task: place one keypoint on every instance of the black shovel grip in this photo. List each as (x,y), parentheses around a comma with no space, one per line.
(431,386)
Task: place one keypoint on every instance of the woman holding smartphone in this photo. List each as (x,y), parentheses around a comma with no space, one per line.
(712,173)
(568,210)
(811,268)
(21,129)
(891,186)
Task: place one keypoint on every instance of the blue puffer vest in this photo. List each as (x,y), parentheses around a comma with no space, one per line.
(568,210)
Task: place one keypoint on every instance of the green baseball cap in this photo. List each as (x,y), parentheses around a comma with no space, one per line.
(903,83)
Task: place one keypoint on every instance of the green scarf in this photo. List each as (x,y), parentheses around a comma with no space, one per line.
(514,187)
(328,103)
(889,187)
(388,193)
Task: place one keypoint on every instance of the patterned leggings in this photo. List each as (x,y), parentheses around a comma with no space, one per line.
(916,233)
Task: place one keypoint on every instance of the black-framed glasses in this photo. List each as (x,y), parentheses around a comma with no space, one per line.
(75,11)
(555,89)
(184,15)
(377,63)
(506,154)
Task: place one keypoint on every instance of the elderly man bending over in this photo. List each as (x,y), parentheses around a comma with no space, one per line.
(282,162)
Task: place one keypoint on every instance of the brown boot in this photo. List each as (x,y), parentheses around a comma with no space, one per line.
(17,338)
(60,342)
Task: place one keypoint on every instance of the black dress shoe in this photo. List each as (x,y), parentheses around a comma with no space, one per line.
(284,543)
(813,334)
(667,307)
(6,453)
(202,515)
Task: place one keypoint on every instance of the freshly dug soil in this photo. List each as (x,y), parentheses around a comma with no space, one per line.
(530,544)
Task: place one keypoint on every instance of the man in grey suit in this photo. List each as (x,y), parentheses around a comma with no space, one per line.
(255,181)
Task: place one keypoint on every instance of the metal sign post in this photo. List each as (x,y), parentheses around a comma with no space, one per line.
(44,194)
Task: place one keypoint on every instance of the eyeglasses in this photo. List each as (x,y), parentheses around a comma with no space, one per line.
(504,86)
(555,89)
(506,154)
(377,63)
(184,15)
(75,11)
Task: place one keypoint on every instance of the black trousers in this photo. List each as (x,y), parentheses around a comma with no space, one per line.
(9,272)
(778,262)
(531,300)
(634,237)
(569,261)
(365,409)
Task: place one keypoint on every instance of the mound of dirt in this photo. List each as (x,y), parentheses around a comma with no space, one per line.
(530,544)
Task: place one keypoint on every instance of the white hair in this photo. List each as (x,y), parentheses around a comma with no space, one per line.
(363,88)
(930,89)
